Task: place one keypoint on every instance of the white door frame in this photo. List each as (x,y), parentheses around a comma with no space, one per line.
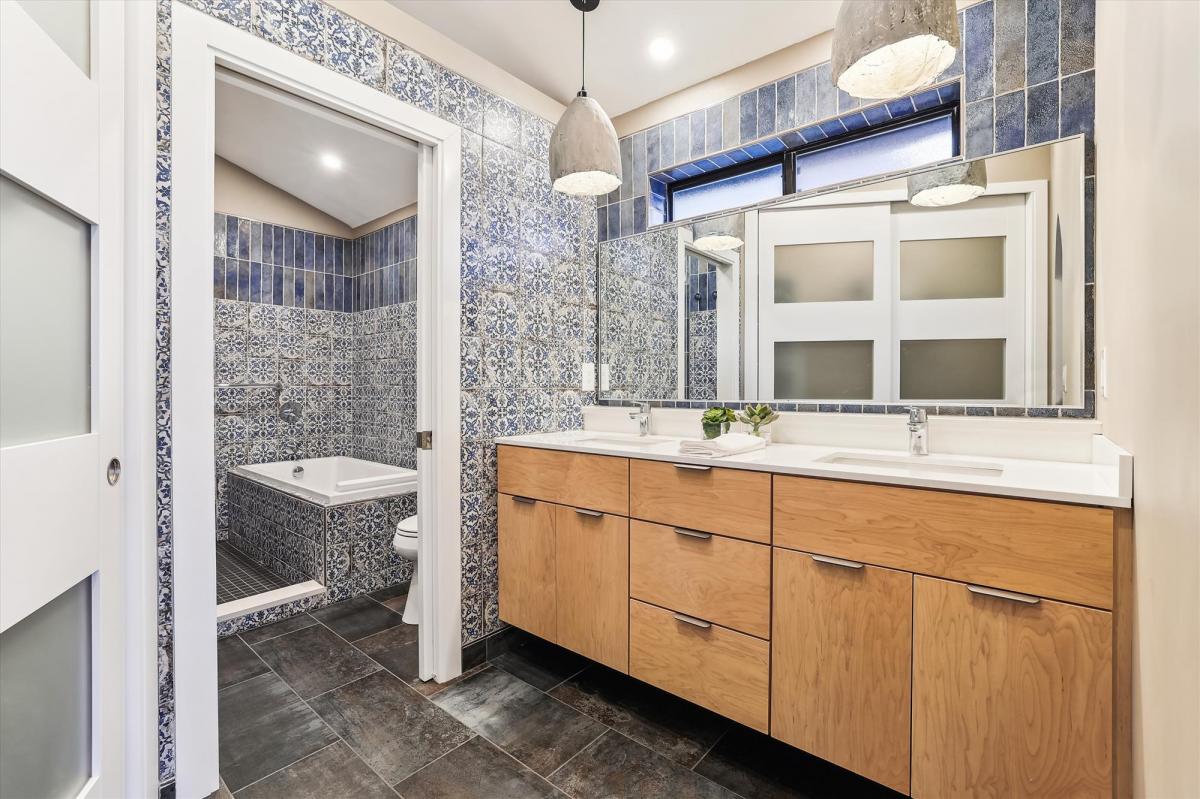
(201,43)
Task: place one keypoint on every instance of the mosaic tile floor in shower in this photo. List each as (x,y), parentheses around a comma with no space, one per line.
(239,577)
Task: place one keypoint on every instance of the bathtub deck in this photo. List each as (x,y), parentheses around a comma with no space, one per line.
(239,577)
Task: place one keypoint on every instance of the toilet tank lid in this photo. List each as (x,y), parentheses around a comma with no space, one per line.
(408,525)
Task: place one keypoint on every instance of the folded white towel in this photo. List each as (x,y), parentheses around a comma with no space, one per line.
(722,446)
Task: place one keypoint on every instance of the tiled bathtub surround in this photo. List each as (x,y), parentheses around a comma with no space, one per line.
(1027,77)
(333,322)
(347,548)
(528,267)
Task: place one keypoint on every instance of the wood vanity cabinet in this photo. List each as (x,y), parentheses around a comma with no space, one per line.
(942,644)
(1010,698)
(841,663)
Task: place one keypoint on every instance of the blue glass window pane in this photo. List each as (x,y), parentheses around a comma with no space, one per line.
(731,192)
(888,151)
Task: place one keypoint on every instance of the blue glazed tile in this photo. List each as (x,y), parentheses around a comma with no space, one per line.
(853,122)
(705,165)
(1010,45)
(459,100)
(639,163)
(697,124)
(1041,113)
(1010,121)
(979,34)
(411,78)
(614,220)
(792,138)
(806,97)
(755,150)
(901,107)
(626,148)
(1078,36)
(1089,230)
(683,139)
(926,99)
(297,25)
(748,129)
(1041,41)
(601,223)
(666,144)
(712,128)
(950,92)
(626,217)
(785,103)
(502,122)
(731,123)
(846,103)
(980,128)
(218,278)
(877,115)
(652,151)
(722,160)
(231,236)
(1078,104)
(639,215)
(833,128)
(956,66)
(354,49)
(826,91)
(813,134)
(766,110)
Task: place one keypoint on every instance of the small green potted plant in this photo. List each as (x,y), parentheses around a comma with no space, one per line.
(716,421)
(758,417)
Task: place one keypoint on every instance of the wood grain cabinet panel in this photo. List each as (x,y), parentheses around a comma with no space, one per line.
(841,664)
(597,482)
(526,555)
(592,586)
(723,670)
(722,580)
(731,502)
(1009,699)
(1040,548)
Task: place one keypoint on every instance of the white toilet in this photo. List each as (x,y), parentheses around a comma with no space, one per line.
(405,543)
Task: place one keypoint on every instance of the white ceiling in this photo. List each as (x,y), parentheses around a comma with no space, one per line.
(281,138)
(538,40)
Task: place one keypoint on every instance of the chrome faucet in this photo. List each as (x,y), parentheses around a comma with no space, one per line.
(918,432)
(642,415)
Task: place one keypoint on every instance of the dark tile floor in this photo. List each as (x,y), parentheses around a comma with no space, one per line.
(329,705)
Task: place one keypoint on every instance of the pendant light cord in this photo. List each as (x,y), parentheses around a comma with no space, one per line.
(583,54)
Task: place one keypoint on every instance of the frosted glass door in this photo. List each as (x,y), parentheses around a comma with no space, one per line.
(62,607)
(825,307)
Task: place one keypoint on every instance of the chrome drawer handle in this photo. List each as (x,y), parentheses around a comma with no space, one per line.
(692,466)
(585,512)
(692,533)
(996,592)
(524,500)
(849,564)
(692,620)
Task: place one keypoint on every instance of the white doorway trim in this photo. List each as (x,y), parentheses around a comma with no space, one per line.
(201,44)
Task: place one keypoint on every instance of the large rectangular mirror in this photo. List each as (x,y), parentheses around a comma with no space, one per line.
(866,294)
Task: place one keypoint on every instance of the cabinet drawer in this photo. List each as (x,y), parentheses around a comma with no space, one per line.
(1040,548)
(1008,698)
(722,580)
(731,502)
(722,670)
(597,482)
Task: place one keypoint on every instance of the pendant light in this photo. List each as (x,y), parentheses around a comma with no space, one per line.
(585,158)
(949,185)
(889,48)
(719,235)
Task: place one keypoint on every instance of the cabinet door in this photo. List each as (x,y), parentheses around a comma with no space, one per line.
(1009,698)
(841,663)
(593,585)
(526,565)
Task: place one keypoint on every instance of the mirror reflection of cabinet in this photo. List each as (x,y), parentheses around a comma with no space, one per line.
(857,296)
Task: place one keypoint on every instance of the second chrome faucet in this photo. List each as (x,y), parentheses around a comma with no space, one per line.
(918,432)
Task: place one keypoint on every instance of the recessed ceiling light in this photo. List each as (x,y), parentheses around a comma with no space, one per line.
(661,49)
(331,162)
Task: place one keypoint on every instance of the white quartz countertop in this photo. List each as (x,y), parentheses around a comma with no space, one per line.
(1107,480)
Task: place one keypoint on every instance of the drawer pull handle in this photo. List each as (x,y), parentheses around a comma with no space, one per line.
(694,467)
(692,533)
(524,500)
(585,512)
(996,592)
(849,564)
(692,620)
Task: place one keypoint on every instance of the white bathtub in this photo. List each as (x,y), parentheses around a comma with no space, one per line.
(332,481)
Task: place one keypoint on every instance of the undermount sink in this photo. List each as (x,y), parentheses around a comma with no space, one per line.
(915,464)
(625,441)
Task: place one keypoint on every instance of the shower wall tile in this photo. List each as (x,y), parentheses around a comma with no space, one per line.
(1010,45)
(1010,121)
(979,55)
(1041,43)
(1078,36)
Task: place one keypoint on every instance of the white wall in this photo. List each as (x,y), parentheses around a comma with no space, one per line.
(240,193)
(1148,218)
